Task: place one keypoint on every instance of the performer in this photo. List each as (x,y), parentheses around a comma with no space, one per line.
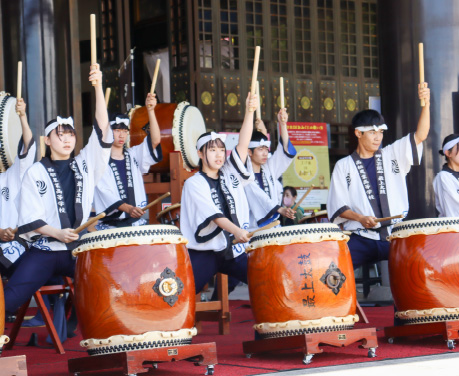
(121,192)
(446,183)
(264,193)
(56,195)
(289,201)
(10,185)
(214,206)
(371,183)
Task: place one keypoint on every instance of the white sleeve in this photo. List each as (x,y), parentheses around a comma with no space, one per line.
(106,196)
(338,196)
(446,195)
(145,155)
(406,153)
(96,153)
(281,159)
(234,164)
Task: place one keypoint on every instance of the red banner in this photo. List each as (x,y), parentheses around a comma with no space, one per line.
(308,133)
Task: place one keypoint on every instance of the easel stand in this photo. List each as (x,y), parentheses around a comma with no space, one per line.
(309,343)
(448,329)
(144,361)
(13,365)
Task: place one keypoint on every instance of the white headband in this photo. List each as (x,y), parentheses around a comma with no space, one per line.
(450,144)
(118,120)
(59,121)
(255,144)
(211,137)
(366,128)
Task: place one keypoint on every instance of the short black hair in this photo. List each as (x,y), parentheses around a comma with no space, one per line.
(367,117)
(292,190)
(258,136)
(446,140)
(113,117)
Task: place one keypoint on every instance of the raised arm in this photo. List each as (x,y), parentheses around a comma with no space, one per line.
(247,127)
(26,132)
(424,120)
(155,133)
(101,108)
(282,117)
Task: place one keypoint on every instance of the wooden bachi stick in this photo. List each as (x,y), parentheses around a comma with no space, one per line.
(282,99)
(421,69)
(155,77)
(302,198)
(256,60)
(92,20)
(154,202)
(89,223)
(377,220)
(267,227)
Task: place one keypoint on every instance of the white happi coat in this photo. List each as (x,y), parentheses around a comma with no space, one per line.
(200,207)
(10,185)
(264,203)
(42,201)
(350,187)
(446,187)
(110,193)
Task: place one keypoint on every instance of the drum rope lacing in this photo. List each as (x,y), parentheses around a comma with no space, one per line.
(287,233)
(420,225)
(181,138)
(296,332)
(3,157)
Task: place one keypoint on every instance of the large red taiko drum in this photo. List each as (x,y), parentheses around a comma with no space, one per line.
(180,124)
(424,270)
(134,289)
(301,280)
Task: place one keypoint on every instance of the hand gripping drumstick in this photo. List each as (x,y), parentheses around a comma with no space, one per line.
(268,226)
(154,202)
(302,198)
(377,220)
(421,69)
(92,20)
(89,223)
(253,86)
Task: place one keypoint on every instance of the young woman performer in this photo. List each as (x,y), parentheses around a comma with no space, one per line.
(446,183)
(56,196)
(214,206)
(10,185)
(288,200)
(263,194)
(121,192)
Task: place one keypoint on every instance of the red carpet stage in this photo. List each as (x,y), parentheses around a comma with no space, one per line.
(231,360)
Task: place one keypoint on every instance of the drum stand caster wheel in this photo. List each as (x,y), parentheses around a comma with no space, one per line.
(248,356)
(372,352)
(451,344)
(307,358)
(390,340)
(210,370)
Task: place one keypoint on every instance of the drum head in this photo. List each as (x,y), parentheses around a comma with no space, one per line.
(10,130)
(188,126)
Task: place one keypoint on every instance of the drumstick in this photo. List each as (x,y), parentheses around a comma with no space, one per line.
(92,20)
(107,95)
(377,220)
(19,87)
(268,226)
(255,73)
(89,223)
(154,202)
(155,77)
(258,116)
(302,198)
(421,69)
(42,146)
(282,92)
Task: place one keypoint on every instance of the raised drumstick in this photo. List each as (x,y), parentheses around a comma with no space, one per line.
(107,95)
(282,100)
(92,20)
(155,77)
(256,60)
(154,202)
(19,87)
(89,223)
(268,226)
(421,69)
(302,198)
(377,220)
(42,146)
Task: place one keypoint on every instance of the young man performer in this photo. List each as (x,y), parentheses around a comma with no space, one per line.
(214,206)
(264,193)
(10,185)
(56,196)
(371,183)
(121,192)
(446,183)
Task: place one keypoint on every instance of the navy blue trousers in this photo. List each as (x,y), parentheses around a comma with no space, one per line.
(367,251)
(34,269)
(206,264)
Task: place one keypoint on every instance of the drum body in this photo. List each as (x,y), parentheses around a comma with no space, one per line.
(424,270)
(10,130)
(134,289)
(180,126)
(3,339)
(301,280)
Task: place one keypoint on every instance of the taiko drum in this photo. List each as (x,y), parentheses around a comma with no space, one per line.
(424,269)
(134,289)
(180,124)
(301,280)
